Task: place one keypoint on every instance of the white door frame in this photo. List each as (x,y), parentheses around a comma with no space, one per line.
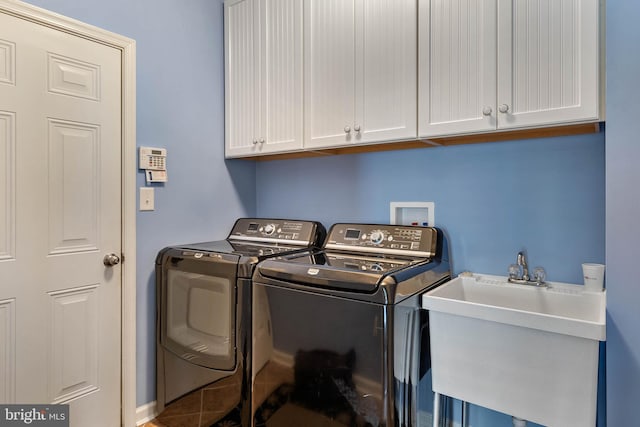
(127,48)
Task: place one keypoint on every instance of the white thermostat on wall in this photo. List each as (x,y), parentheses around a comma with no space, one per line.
(154,162)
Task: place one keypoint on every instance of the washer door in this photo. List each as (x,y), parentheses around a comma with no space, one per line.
(198,312)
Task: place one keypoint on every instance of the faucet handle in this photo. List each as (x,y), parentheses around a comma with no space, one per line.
(514,271)
(539,275)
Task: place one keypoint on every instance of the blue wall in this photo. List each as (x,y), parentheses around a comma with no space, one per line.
(546,196)
(623,212)
(180,106)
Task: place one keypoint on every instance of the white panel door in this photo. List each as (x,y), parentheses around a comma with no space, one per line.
(329,72)
(386,70)
(457,67)
(547,61)
(60,214)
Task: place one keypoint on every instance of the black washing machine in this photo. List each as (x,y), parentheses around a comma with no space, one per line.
(205,328)
(350,339)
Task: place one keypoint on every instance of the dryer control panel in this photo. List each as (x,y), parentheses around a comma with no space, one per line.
(383,238)
(269,230)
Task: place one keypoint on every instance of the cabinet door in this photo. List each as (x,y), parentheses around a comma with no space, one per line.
(548,60)
(457,66)
(263,76)
(242,94)
(281,74)
(386,70)
(329,72)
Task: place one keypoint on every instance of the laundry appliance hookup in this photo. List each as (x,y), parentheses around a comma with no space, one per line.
(412,213)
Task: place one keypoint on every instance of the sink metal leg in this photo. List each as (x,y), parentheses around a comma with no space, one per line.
(436,409)
(465,414)
(437,401)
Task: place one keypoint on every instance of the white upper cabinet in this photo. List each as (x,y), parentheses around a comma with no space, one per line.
(549,68)
(263,76)
(457,63)
(303,75)
(242,57)
(502,64)
(360,71)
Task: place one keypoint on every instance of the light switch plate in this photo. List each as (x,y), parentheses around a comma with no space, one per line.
(147,199)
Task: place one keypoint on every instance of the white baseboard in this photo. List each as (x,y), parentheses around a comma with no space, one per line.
(146,413)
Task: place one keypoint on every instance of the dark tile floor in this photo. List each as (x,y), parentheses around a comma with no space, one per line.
(196,408)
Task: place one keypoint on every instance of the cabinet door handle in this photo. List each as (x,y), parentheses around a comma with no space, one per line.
(255,141)
(261,140)
(503,108)
(347,129)
(487,111)
(357,128)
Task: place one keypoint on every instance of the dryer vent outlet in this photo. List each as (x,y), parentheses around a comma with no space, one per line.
(412,213)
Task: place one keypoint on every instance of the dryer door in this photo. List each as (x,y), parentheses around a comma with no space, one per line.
(198,308)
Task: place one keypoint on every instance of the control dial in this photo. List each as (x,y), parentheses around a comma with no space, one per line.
(269,229)
(376,267)
(376,237)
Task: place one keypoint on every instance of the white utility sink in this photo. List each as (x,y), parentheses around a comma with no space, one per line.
(528,351)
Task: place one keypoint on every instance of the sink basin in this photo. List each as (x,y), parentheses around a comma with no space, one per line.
(561,308)
(528,351)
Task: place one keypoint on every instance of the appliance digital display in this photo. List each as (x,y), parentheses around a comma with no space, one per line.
(351,233)
(252,227)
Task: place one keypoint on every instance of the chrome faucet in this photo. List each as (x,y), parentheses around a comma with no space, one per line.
(521,260)
(519,272)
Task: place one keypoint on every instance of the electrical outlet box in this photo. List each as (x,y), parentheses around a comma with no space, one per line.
(412,213)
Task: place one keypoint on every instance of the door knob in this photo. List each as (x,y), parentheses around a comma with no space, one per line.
(503,108)
(347,129)
(487,111)
(111,259)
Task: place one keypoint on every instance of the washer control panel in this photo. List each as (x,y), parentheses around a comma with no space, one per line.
(383,238)
(276,231)
(372,265)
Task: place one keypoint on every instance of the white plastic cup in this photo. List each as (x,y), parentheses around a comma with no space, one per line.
(593,277)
